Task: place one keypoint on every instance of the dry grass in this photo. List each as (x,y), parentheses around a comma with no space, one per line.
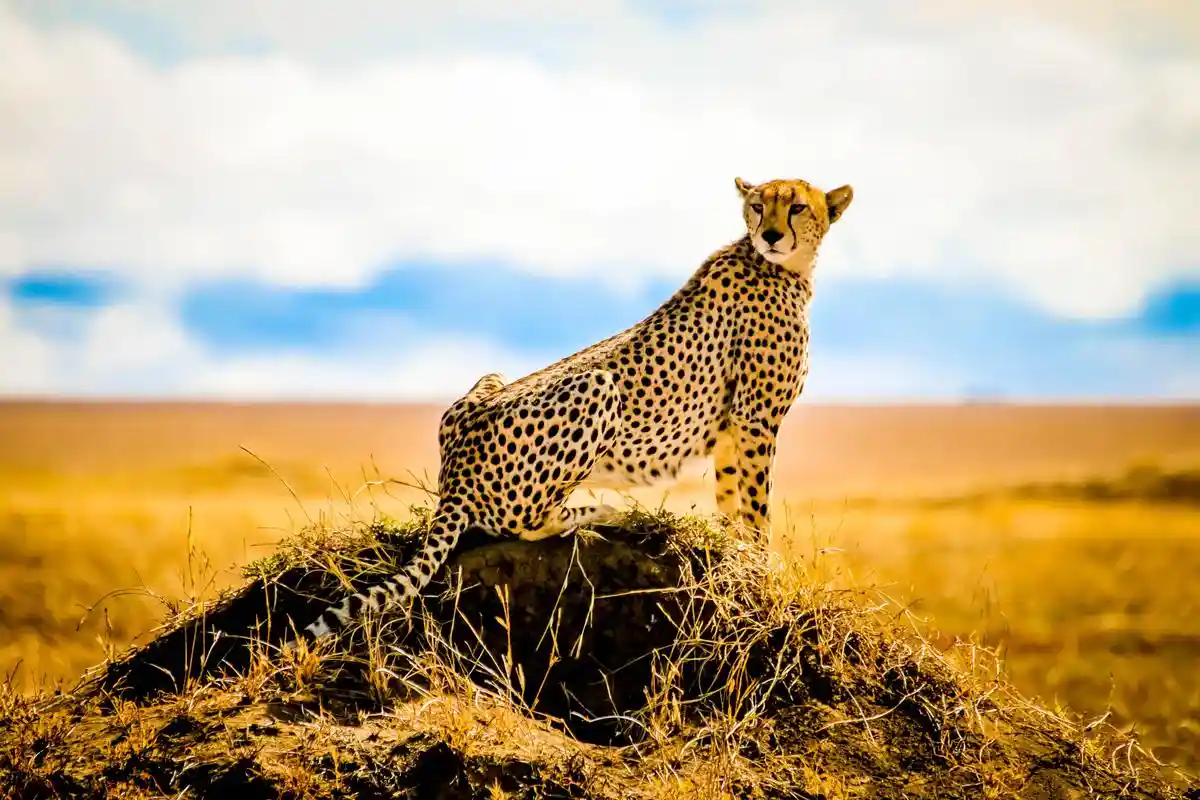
(1091,605)
(92,561)
(771,684)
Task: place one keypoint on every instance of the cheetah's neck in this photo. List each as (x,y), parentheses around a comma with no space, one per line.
(798,272)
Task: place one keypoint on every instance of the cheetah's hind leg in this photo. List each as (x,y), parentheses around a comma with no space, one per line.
(567,520)
(591,404)
(463,407)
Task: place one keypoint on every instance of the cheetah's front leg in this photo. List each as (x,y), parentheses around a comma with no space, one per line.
(726,465)
(756,459)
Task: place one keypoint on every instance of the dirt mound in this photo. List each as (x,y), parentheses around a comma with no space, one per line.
(532,604)
(661,658)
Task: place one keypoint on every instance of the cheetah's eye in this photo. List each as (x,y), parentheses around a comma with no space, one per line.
(797,208)
(757,207)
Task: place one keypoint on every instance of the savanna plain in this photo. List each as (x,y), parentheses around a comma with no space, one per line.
(1065,537)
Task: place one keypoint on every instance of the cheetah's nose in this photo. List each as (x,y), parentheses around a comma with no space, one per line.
(771,236)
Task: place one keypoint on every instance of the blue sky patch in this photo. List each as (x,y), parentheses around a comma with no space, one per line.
(520,311)
(1174,310)
(61,288)
(972,339)
(940,340)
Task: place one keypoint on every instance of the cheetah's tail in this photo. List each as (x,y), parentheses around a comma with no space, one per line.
(400,588)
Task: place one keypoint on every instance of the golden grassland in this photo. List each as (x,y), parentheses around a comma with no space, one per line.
(662,657)
(979,519)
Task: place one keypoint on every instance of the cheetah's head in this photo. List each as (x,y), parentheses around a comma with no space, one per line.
(787,219)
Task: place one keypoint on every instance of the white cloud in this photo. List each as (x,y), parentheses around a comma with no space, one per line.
(350,31)
(354,31)
(1016,144)
(426,370)
(137,349)
(25,358)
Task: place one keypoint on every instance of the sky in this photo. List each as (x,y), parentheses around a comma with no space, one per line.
(291,199)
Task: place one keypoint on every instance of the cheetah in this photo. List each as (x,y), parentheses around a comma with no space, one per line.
(711,372)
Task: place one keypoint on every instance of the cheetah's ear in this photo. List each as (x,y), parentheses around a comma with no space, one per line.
(743,187)
(837,201)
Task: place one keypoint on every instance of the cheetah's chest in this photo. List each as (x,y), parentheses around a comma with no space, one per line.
(675,405)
